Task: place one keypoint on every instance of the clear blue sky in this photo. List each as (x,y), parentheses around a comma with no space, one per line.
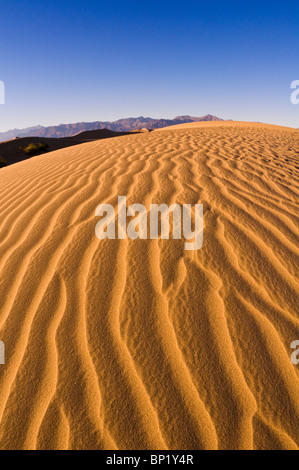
(67,61)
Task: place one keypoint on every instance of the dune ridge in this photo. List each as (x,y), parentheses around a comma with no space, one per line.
(123,344)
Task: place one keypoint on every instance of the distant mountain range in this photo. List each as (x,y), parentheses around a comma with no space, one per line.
(122,125)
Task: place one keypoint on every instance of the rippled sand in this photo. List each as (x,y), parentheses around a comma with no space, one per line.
(139,344)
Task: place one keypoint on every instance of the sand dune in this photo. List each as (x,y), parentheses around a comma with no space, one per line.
(122,344)
(12,152)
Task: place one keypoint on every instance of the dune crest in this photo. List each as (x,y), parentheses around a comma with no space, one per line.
(123,344)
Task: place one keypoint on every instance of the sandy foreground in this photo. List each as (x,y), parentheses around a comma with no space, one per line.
(123,344)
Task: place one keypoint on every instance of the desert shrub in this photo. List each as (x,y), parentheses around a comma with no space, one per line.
(35,149)
(3,162)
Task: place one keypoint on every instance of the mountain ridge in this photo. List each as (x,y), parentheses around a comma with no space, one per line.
(121,125)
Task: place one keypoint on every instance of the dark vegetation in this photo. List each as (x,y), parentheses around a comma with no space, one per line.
(3,162)
(35,149)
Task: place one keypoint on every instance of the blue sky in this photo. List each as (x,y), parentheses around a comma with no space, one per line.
(68,61)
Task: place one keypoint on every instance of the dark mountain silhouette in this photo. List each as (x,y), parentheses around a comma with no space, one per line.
(122,125)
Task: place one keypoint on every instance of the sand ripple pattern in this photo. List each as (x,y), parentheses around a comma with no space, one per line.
(139,344)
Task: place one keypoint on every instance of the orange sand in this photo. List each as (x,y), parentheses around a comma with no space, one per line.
(139,344)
